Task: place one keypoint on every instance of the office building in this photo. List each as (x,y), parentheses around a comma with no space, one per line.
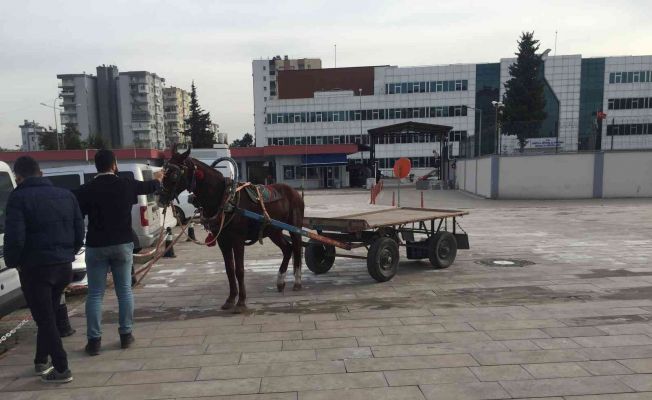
(339,105)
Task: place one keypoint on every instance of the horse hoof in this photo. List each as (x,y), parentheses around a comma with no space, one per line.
(297,287)
(280,287)
(240,308)
(228,305)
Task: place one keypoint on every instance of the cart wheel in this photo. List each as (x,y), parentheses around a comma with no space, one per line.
(382,260)
(319,257)
(442,250)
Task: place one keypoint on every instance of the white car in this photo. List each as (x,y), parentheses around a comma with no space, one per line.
(11,297)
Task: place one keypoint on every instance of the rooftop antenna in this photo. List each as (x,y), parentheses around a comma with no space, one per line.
(555,42)
(335,55)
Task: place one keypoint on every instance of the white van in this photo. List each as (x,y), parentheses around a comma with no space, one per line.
(11,297)
(146,221)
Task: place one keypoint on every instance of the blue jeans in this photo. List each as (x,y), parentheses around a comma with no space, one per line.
(99,261)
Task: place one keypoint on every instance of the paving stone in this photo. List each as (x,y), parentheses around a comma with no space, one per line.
(640,382)
(344,353)
(518,324)
(464,391)
(416,362)
(500,373)
(278,356)
(319,343)
(605,368)
(519,345)
(615,353)
(416,338)
(177,341)
(384,314)
(214,330)
(260,396)
(192,361)
(619,396)
(290,326)
(318,317)
(274,369)
(244,347)
(153,376)
(81,380)
(556,343)
(640,366)
(437,348)
(360,323)
(611,341)
(573,331)
(338,333)
(565,386)
(530,357)
(323,382)
(516,334)
(555,370)
(429,376)
(155,352)
(253,337)
(626,329)
(385,393)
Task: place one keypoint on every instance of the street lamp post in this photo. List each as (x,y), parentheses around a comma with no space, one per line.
(54,111)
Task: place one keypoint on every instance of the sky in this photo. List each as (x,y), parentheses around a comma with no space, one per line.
(214,42)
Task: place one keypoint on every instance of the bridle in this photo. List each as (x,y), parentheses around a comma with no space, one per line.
(178,174)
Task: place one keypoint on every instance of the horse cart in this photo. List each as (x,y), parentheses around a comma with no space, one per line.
(425,233)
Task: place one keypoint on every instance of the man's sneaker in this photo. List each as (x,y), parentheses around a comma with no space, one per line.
(126,340)
(57,377)
(93,346)
(42,369)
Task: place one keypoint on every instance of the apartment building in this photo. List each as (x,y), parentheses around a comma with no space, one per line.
(79,103)
(176,106)
(30,132)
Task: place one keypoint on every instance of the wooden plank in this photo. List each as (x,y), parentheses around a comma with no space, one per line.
(379,218)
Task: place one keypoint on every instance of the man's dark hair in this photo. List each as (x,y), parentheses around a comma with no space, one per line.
(104,160)
(26,167)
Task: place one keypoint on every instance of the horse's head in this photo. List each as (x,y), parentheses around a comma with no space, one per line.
(178,176)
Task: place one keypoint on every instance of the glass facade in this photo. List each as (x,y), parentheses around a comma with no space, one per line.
(427,86)
(550,125)
(630,77)
(366,115)
(629,129)
(630,103)
(453,136)
(591,102)
(487,90)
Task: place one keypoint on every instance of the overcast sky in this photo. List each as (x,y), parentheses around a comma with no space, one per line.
(214,41)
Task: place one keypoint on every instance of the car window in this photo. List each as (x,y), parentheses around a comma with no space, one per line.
(5,189)
(148,176)
(70,181)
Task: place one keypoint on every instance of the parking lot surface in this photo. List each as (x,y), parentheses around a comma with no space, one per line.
(554,300)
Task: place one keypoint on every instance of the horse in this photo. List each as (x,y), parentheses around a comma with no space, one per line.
(219,199)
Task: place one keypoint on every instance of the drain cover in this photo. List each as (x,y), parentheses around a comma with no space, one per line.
(504,262)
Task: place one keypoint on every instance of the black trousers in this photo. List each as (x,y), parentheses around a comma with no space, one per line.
(42,287)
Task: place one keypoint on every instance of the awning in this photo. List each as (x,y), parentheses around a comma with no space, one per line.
(322,160)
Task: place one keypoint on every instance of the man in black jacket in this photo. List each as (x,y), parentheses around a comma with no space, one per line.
(44,230)
(107,201)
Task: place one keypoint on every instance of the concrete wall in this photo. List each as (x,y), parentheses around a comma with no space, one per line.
(565,176)
(627,174)
(559,176)
(483,184)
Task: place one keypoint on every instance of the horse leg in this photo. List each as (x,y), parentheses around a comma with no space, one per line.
(238,253)
(227,253)
(277,237)
(296,260)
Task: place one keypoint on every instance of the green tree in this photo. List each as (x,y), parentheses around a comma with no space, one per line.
(524,92)
(199,124)
(246,141)
(71,138)
(48,140)
(96,142)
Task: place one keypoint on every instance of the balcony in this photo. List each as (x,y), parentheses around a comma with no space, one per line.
(67,93)
(66,84)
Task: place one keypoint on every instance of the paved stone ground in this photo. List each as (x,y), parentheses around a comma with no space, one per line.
(576,324)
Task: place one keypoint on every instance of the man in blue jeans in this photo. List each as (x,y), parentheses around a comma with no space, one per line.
(107,201)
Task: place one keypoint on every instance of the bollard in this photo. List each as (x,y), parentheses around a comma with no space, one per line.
(393,199)
(169,253)
(421,199)
(191,233)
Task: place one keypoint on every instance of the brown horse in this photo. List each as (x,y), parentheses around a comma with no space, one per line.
(218,200)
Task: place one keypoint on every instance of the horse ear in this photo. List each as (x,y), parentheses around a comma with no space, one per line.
(186,153)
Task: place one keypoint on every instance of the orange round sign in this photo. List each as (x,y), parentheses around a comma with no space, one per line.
(402,167)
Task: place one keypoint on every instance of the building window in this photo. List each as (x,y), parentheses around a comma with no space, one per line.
(264,78)
(264,87)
